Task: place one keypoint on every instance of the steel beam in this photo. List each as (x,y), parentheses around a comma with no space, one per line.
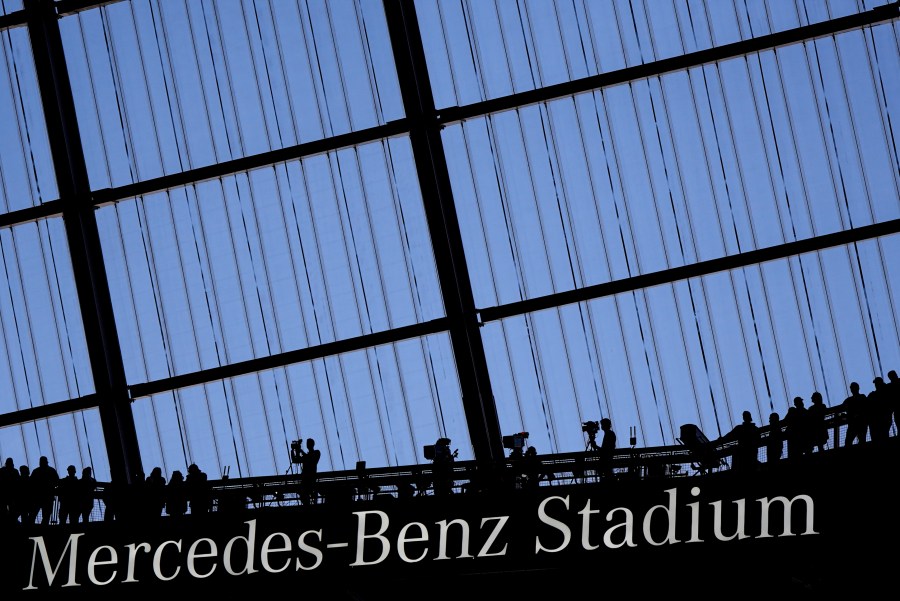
(446,239)
(92,288)
(693,270)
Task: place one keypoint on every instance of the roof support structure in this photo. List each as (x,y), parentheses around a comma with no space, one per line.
(83,237)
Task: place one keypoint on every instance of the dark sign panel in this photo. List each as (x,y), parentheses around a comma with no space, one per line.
(818,524)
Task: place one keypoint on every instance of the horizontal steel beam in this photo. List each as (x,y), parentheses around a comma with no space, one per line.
(248,163)
(702,268)
(13,19)
(24,416)
(670,65)
(320,351)
(51,208)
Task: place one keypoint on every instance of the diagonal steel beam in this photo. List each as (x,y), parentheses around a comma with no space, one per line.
(683,272)
(681,62)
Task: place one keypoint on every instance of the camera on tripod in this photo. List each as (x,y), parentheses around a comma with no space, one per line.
(591,428)
(515,441)
(297,451)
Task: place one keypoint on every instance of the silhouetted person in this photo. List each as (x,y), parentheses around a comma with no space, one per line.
(365,489)
(607,447)
(531,468)
(421,481)
(44,479)
(893,395)
(9,491)
(155,491)
(746,435)
(818,431)
(309,471)
(197,490)
(879,411)
(87,487)
(27,507)
(67,494)
(796,429)
(775,439)
(176,495)
(857,416)
(112,501)
(405,488)
(513,477)
(443,467)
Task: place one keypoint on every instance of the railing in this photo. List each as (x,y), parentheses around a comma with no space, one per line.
(578,468)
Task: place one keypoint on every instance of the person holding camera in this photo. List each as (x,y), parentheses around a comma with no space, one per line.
(443,467)
(309,468)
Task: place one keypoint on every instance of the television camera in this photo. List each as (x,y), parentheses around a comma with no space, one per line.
(297,451)
(515,442)
(591,428)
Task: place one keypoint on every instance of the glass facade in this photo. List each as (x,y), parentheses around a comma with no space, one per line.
(666,213)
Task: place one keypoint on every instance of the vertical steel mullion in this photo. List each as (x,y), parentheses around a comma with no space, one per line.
(83,237)
(443,225)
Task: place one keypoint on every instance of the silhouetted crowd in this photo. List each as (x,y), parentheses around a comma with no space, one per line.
(803,430)
(30,496)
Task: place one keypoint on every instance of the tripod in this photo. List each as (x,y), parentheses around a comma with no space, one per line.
(592,442)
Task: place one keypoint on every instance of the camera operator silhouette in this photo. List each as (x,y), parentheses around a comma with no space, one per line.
(309,468)
(443,467)
(607,447)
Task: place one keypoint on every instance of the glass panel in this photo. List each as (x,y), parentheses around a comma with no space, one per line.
(695,165)
(43,358)
(10,6)
(26,170)
(380,405)
(162,87)
(484,49)
(700,351)
(71,439)
(276,259)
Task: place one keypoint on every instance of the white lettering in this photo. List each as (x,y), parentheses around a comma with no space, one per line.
(301,542)
(361,536)
(132,553)
(764,520)
(250,542)
(442,541)
(670,515)
(266,549)
(695,517)
(741,519)
(542,515)
(39,546)
(628,524)
(157,560)
(586,526)
(194,554)
(501,521)
(402,540)
(93,562)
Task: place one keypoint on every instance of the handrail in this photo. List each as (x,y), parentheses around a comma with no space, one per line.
(572,468)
